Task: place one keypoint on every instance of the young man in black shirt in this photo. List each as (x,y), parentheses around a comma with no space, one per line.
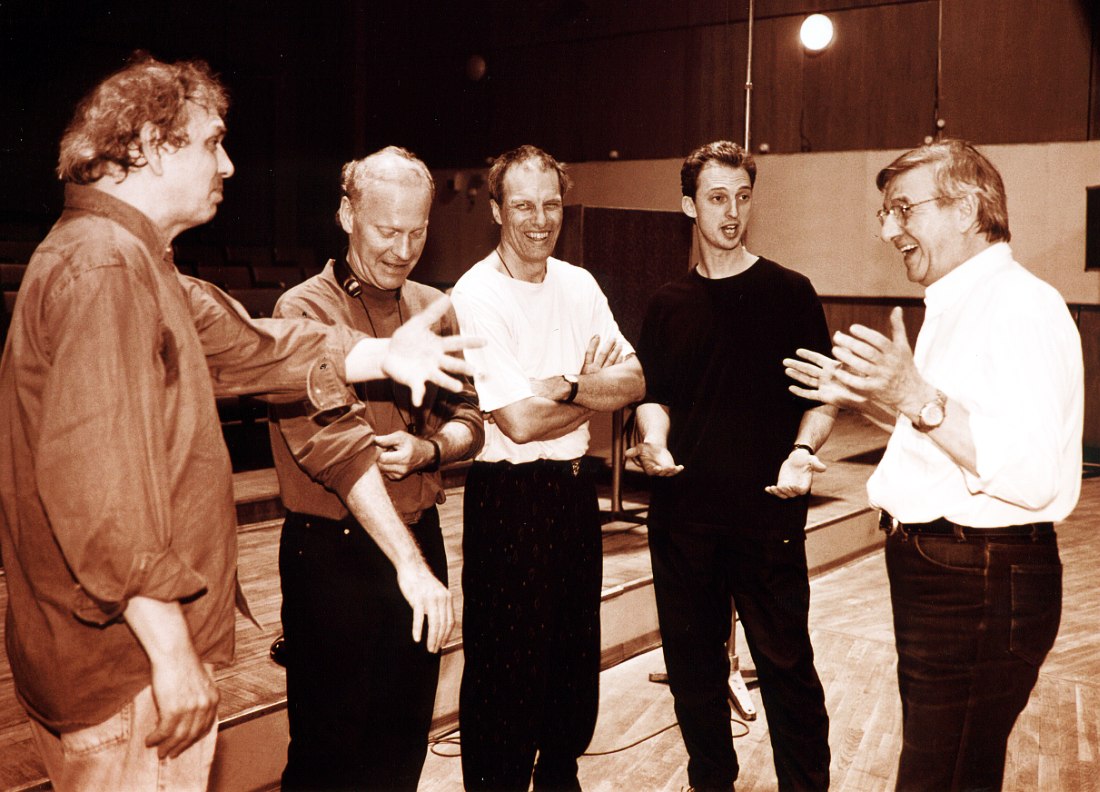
(733,453)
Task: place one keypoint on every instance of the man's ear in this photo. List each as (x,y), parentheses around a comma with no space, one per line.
(347,216)
(150,144)
(687,203)
(966,210)
(496,211)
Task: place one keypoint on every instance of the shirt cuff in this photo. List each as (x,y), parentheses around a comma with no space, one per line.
(326,384)
(161,577)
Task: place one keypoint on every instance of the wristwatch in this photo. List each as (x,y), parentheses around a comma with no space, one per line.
(574,383)
(931,414)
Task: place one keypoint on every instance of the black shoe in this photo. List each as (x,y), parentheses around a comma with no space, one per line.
(278,651)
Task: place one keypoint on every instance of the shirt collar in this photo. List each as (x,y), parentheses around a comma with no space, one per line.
(371,295)
(956,284)
(79,197)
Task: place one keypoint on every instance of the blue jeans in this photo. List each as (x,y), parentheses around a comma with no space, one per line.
(973,621)
(112,754)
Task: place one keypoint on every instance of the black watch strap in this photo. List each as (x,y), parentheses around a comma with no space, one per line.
(574,385)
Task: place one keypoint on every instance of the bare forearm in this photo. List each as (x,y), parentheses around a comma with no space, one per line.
(160,628)
(456,441)
(370,504)
(816,426)
(653,422)
(611,388)
(882,417)
(538,418)
(953,435)
(364,361)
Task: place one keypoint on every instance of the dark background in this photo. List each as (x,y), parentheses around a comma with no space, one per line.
(314,84)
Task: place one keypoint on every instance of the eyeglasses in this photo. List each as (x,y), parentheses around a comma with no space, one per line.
(901,211)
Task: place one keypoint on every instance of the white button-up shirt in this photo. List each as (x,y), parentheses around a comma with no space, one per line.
(1001,342)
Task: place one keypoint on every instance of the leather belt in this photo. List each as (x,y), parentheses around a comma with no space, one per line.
(944,527)
(574,466)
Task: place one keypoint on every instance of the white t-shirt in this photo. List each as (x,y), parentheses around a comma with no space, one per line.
(534,331)
(1001,342)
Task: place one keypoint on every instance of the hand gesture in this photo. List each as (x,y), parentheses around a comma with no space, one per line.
(879,368)
(796,475)
(418,356)
(818,373)
(595,359)
(656,460)
(429,600)
(402,453)
(187,704)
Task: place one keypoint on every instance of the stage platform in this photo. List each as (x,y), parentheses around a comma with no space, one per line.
(252,713)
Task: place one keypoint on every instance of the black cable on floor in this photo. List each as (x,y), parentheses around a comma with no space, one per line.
(456,741)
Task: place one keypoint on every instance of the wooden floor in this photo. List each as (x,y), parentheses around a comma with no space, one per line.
(1054,748)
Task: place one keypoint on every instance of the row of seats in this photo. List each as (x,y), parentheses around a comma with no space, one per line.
(271,262)
(255,276)
(276,276)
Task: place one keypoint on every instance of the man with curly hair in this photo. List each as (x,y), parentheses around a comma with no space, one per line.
(117,523)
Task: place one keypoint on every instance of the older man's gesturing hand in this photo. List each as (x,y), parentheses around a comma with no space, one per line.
(879,368)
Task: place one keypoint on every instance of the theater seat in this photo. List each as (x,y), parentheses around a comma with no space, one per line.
(260,303)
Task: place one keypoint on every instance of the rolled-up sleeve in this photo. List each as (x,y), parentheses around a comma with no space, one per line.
(102,446)
(461,407)
(275,359)
(335,447)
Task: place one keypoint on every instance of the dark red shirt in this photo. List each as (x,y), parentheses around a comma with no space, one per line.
(114,478)
(318,459)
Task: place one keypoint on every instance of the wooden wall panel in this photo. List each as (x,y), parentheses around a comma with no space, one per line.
(714,85)
(630,252)
(871,89)
(1088,323)
(1015,72)
(843,312)
(654,80)
(631,93)
(1094,78)
(538,98)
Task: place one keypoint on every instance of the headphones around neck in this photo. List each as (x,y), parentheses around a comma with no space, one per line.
(346,278)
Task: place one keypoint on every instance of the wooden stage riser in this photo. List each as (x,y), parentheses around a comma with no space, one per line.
(251,753)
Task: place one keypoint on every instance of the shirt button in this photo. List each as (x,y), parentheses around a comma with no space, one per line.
(347,531)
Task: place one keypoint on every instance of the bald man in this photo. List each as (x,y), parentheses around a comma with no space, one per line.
(362,554)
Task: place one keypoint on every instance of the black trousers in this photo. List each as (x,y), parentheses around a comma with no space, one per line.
(360,693)
(696,571)
(531,578)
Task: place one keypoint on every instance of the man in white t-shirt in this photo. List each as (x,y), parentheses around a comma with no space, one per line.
(532,554)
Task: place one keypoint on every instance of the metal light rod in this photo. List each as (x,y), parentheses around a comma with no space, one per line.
(748,76)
